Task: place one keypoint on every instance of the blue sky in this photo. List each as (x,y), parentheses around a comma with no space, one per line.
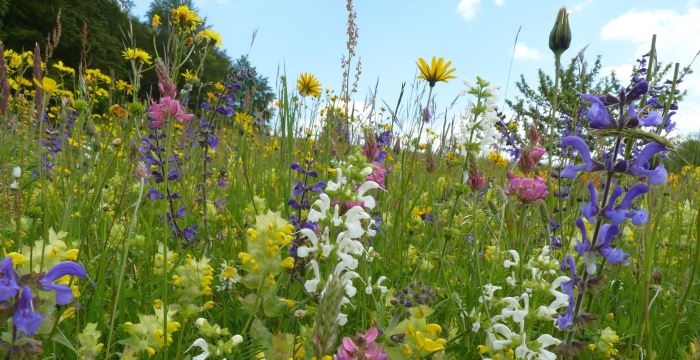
(477,35)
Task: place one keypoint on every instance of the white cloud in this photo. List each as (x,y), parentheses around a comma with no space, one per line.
(499,2)
(678,40)
(580,6)
(467,8)
(523,52)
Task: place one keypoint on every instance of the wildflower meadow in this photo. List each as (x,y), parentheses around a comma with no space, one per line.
(170,211)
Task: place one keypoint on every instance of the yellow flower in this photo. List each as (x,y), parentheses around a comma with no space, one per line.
(190,76)
(438,70)
(118,111)
(17,258)
(308,85)
(137,54)
(498,159)
(47,84)
(184,18)
(125,87)
(211,36)
(155,21)
(62,68)
(288,263)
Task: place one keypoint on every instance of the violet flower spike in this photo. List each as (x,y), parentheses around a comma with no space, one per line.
(64,294)
(639,165)
(590,209)
(8,280)
(584,245)
(577,143)
(612,255)
(620,212)
(597,113)
(25,319)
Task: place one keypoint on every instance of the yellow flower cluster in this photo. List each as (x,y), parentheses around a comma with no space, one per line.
(53,252)
(420,338)
(265,240)
(421,212)
(64,69)
(606,342)
(193,278)
(184,18)
(498,159)
(158,260)
(95,76)
(147,335)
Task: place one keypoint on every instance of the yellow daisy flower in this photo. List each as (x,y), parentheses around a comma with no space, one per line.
(308,85)
(137,54)
(438,70)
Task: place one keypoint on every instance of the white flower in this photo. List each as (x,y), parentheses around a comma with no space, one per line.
(312,284)
(323,203)
(382,289)
(341,180)
(368,200)
(237,340)
(342,319)
(516,259)
(16,171)
(304,251)
(202,344)
(14,185)
(368,288)
(488,289)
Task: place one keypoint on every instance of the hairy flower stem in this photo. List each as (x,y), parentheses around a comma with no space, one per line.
(583,284)
(550,139)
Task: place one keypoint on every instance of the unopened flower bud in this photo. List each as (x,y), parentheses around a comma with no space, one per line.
(560,37)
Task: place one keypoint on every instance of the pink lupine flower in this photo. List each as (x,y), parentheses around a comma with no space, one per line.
(530,157)
(167,107)
(165,84)
(476,180)
(378,173)
(362,347)
(370,148)
(525,188)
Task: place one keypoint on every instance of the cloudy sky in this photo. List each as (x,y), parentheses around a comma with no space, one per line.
(477,35)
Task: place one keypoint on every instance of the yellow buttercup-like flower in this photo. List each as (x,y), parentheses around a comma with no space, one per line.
(137,54)
(438,70)
(308,85)
(47,84)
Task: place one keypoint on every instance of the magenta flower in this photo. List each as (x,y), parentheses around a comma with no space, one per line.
(530,157)
(526,189)
(476,180)
(362,347)
(167,107)
(378,173)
